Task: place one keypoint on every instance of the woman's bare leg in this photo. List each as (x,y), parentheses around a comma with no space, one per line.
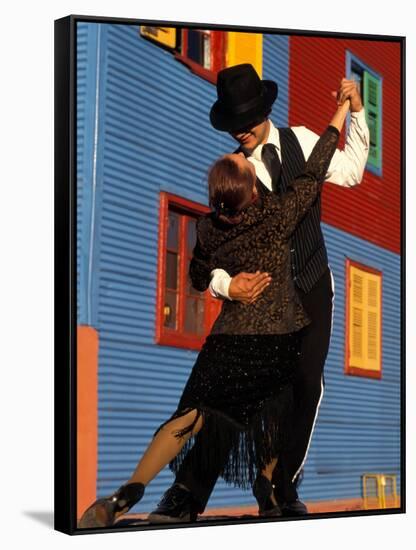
(161,450)
(164,447)
(268,470)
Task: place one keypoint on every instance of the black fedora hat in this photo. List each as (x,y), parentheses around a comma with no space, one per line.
(242,98)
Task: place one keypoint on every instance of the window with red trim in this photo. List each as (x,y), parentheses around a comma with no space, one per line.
(203,51)
(184,315)
(363,338)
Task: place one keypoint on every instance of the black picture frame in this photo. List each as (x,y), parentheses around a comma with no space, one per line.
(65,403)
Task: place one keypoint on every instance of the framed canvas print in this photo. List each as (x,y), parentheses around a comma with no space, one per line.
(229,275)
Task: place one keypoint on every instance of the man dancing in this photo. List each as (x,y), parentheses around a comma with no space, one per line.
(278,154)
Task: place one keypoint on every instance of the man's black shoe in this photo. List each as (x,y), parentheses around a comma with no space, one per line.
(176,506)
(263,491)
(294,508)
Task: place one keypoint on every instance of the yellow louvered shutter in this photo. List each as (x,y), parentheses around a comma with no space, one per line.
(356,332)
(364,319)
(373,321)
(245,47)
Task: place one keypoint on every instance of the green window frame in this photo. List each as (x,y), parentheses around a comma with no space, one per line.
(370,84)
(372,105)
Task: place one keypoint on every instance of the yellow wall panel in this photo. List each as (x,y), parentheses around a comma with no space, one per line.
(364,319)
(162,35)
(245,47)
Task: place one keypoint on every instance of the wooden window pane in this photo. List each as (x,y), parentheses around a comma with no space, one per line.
(206,40)
(191,235)
(172,270)
(189,288)
(185,315)
(191,241)
(173,230)
(170,310)
(194,46)
(194,315)
(199,48)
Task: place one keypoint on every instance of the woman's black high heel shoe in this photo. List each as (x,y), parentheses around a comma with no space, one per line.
(263,491)
(104,511)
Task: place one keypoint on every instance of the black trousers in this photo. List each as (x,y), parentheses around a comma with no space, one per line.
(308,390)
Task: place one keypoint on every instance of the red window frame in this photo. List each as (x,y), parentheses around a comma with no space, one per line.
(165,335)
(218,44)
(349,369)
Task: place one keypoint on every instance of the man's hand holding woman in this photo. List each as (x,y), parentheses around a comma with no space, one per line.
(247,287)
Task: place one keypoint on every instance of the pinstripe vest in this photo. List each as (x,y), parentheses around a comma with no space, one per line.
(308,251)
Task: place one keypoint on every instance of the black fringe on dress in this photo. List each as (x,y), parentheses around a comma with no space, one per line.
(247,450)
(242,388)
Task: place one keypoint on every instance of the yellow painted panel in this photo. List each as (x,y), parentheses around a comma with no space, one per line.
(373,322)
(365,319)
(245,47)
(162,35)
(357,343)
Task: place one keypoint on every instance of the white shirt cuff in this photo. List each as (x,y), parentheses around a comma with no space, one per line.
(220,284)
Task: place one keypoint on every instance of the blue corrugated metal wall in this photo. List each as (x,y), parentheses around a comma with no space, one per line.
(358,427)
(143,127)
(85,125)
(147,104)
(276,67)
(88,193)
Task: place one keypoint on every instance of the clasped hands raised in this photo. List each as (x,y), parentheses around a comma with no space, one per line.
(247,287)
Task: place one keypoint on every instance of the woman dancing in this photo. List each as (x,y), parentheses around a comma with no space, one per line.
(237,400)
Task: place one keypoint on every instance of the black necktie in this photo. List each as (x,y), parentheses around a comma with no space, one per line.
(272,163)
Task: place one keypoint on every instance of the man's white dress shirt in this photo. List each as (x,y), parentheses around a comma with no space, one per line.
(346,169)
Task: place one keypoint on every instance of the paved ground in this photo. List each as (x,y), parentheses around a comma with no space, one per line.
(249,513)
(134,521)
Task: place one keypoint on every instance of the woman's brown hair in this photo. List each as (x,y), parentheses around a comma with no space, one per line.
(230,189)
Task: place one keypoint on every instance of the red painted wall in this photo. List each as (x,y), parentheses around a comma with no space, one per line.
(372,209)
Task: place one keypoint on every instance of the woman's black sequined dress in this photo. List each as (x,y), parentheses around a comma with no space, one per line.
(241,380)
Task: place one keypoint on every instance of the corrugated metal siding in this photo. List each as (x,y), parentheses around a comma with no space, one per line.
(82,36)
(372,210)
(153,134)
(155,137)
(276,67)
(358,427)
(87,36)
(149,103)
